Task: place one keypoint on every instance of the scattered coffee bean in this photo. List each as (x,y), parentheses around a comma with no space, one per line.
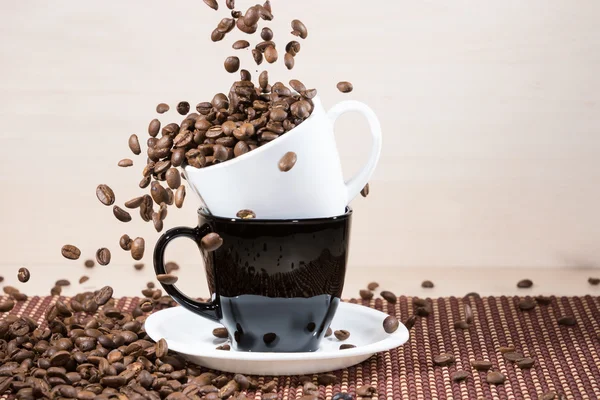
(288,161)
(71,252)
(103,295)
(134,144)
(167,279)
(232,64)
(347,346)
(293,48)
(271,55)
(211,242)
(366,391)
(89,263)
(121,214)
(138,266)
(289,61)
(62,282)
(341,334)
(125,242)
(481,365)
(389,296)
(299,29)
(105,195)
(171,266)
(365,192)
(513,356)
(240,44)
(7,305)
(594,281)
(427,284)
(543,300)
(84,279)
(525,363)
(224,347)
(266,34)
(410,322)
(135,202)
(221,333)
(157,222)
(345,87)
(460,375)
(326,379)
(162,108)
(212,4)
(23,275)
(495,378)
(567,320)
(506,349)
(461,325)
(103,256)
(126,162)
(525,283)
(372,285)
(183,107)
(180,196)
(366,294)
(527,304)
(443,359)
(137,248)
(246,214)
(390,324)
(162,348)
(173,178)
(153,129)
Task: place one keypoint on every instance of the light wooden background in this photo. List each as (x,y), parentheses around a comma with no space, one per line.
(490,110)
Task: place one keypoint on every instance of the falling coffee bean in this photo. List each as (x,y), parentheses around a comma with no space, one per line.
(135,202)
(7,305)
(288,61)
(594,281)
(258,56)
(84,279)
(158,193)
(345,87)
(183,107)
(293,47)
(211,242)
(89,263)
(495,378)
(372,285)
(366,294)
(443,359)
(468,313)
(180,196)
(527,304)
(221,333)
(410,322)
(245,76)
(153,129)
(126,162)
(288,161)
(121,214)
(103,295)
(171,267)
(137,248)
(460,375)
(299,29)
(525,283)
(543,300)
(125,242)
(365,191)
(62,282)
(341,334)
(162,108)
(266,34)
(389,296)
(427,284)
(167,279)
(390,324)
(71,252)
(230,4)
(240,44)
(157,221)
(461,325)
(271,55)
(23,275)
(506,349)
(103,256)
(246,214)
(481,365)
(567,320)
(138,266)
(134,144)
(232,64)
(212,4)
(105,195)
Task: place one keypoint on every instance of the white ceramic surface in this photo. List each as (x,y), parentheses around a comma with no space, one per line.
(191,336)
(313,188)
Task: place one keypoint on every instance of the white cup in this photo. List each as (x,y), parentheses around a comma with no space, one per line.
(313,188)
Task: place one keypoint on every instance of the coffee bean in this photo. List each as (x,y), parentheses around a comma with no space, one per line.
(121,214)
(180,196)
(543,300)
(513,356)
(60,358)
(389,296)
(212,4)
(125,242)
(301,109)
(162,211)
(103,295)
(506,349)
(211,242)
(366,391)
(134,144)
(550,395)
(423,311)
(230,4)
(341,334)
(71,252)
(83,279)
(258,56)
(288,161)
(246,214)
(245,76)
(153,129)
(468,313)
(366,294)
(220,333)
(124,163)
(145,182)
(293,48)
(224,347)
(105,195)
(135,202)
(390,324)
(146,306)
(137,248)
(62,282)
(157,222)
(183,107)
(347,346)
(345,87)
(89,263)
(310,94)
(495,378)
(232,64)
(481,365)
(567,320)
(266,34)
(299,29)
(271,54)
(525,363)
(372,285)
(410,322)
(7,305)
(594,281)
(288,61)
(269,338)
(103,256)
(461,325)
(158,193)
(443,359)
(525,283)
(162,108)
(326,379)
(138,266)
(167,279)
(328,332)
(23,275)
(527,304)
(251,17)
(426,284)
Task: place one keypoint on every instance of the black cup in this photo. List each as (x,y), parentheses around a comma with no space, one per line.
(275,284)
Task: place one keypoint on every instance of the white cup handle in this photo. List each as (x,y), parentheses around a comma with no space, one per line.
(358,181)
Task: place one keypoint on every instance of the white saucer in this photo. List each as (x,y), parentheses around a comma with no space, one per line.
(191,336)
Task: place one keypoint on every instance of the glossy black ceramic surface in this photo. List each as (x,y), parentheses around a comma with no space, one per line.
(275,284)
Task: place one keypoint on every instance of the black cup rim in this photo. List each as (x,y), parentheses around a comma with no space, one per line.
(291,221)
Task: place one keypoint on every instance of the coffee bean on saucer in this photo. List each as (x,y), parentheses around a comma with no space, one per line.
(567,320)
(525,283)
(461,325)
(71,252)
(513,356)
(105,195)
(240,44)
(365,191)
(326,379)
(329,332)
(211,242)
(410,322)
(126,162)
(153,128)
(23,275)
(137,248)
(299,29)
(427,284)
(389,296)
(390,324)
(372,285)
(342,334)
(134,144)
(525,363)
(543,300)
(527,304)
(246,214)
(162,108)
(345,87)
(366,391)
(443,359)
(167,279)
(347,346)
(121,214)
(89,263)
(103,256)
(495,378)
(225,347)
(366,294)
(183,107)
(179,196)
(7,305)
(460,375)
(232,64)
(594,281)
(84,279)
(481,365)
(220,333)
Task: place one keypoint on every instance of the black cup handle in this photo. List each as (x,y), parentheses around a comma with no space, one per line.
(211,309)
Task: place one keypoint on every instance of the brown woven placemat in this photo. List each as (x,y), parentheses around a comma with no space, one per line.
(567,357)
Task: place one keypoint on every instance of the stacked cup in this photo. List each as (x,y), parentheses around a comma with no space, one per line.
(282,214)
